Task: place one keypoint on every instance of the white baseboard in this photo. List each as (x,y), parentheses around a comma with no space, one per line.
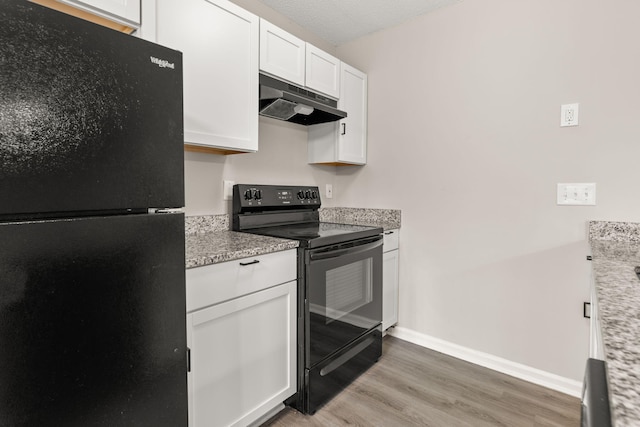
(524,372)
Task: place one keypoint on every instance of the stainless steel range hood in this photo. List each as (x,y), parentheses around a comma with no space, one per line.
(284,101)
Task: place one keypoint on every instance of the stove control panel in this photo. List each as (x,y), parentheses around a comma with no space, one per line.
(248,197)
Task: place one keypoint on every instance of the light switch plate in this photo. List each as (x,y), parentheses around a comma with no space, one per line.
(577,194)
(328,192)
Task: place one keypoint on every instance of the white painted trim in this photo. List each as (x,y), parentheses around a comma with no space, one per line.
(524,372)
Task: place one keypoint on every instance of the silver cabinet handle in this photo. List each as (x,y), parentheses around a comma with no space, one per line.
(344,129)
(255,261)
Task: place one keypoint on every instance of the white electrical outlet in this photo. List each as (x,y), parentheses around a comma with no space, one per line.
(569,114)
(328,191)
(227,189)
(577,194)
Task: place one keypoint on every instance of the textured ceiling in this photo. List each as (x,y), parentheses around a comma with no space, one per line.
(339,21)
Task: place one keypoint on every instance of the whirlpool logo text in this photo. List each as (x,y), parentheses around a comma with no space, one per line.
(162,63)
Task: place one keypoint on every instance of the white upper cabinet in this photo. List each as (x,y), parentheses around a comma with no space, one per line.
(120,15)
(289,58)
(322,72)
(219,42)
(281,54)
(126,11)
(352,147)
(343,142)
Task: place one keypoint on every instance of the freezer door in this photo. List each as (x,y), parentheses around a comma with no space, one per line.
(92,322)
(90,119)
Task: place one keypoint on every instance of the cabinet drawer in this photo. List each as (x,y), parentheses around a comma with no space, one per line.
(391,240)
(216,283)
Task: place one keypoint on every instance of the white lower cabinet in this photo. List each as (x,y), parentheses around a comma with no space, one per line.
(390,284)
(243,348)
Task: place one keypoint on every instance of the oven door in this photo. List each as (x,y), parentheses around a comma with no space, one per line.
(344,295)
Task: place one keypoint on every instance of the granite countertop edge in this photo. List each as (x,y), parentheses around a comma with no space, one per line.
(615,250)
(215,247)
(208,239)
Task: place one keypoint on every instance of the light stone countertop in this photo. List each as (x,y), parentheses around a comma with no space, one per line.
(209,241)
(220,246)
(615,249)
(388,219)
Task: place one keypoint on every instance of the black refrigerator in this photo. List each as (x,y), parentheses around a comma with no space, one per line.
(92,274)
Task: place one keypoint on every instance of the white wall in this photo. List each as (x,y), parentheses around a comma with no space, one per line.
(281,159)
(464,137)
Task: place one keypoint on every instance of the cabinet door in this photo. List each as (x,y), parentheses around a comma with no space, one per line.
(322,72)
(124,11)
(281,54)
(219,42)
(389,289)
(343,142)
(352,146)
(243,360)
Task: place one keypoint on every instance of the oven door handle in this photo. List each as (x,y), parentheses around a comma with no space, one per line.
(316,256)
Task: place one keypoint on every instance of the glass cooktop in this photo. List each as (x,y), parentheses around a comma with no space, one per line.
(316,234)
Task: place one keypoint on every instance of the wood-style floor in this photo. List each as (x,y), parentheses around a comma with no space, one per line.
(414,386)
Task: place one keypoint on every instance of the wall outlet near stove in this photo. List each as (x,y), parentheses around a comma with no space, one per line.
(569,114)
(328,192)
(227,189)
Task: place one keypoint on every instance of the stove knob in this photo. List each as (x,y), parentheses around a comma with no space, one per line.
(247,195)
(314,195)
(257,194)
(307,194)
(300,194)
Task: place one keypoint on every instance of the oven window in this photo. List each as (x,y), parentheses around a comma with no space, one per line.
(348,288)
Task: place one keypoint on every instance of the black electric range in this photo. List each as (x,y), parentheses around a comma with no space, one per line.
(290,212)
(339,328)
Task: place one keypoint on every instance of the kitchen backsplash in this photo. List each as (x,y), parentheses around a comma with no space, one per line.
(389,219)
(206,224)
